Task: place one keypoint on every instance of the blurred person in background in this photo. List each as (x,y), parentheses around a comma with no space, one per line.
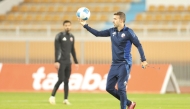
(122,39)
(64,46)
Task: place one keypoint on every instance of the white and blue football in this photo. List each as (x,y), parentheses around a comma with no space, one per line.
(83,13)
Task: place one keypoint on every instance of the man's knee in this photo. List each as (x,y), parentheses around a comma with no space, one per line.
(58,83)
(110,89)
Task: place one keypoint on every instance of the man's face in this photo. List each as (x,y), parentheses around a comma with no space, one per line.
(116,20)
(67,27)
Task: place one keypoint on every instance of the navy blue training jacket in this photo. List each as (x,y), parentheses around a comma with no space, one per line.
(121,43)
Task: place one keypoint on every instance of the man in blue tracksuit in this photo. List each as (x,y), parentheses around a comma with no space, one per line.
(122,38)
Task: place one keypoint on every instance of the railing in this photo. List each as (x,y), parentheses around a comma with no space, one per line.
(51,30)
(36,50)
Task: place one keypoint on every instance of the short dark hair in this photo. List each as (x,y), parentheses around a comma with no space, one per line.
(121,15)
(66,21)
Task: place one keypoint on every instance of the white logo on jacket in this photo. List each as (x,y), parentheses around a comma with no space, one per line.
(122,35)
(64,39)
(114,33)
(71,39)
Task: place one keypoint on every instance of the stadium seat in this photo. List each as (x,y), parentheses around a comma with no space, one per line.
(67,17)
(115,8)
(106,8)
(29,18)
(71,9)
(33,9)
(168,17)
(10,17)
(56,18)
(60,9)
(104,17)
(74,18)
(38,18)
(181,8)
(177,17)
(186,17)
(94,17)
(171,8)
(148,17)
(51,8)
(139,17)
(43,9)
(188,8)
(161,8)
(23,9)
(15,8)
(91,8)
(48,18)
(152,8)
(158,17)
(100,8)
(19,17)
(2,17)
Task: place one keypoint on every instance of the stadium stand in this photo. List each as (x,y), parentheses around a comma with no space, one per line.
(168,19)
(46,14)
(50,14)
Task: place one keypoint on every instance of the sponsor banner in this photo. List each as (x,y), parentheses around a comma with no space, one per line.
(42,77)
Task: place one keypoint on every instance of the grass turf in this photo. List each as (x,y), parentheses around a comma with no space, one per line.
(18,100)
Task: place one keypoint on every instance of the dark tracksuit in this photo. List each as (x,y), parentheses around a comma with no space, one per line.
(121,60)
(64,46)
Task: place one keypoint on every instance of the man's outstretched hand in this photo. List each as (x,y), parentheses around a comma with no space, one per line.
(82,22)
(144,64)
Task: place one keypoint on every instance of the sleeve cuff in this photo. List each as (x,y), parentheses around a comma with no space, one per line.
(143,60)
(85,25)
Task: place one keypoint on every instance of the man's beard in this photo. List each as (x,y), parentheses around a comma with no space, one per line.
(67,30)
(114,25)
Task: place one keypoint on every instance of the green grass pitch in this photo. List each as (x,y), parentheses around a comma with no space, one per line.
(18,100)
